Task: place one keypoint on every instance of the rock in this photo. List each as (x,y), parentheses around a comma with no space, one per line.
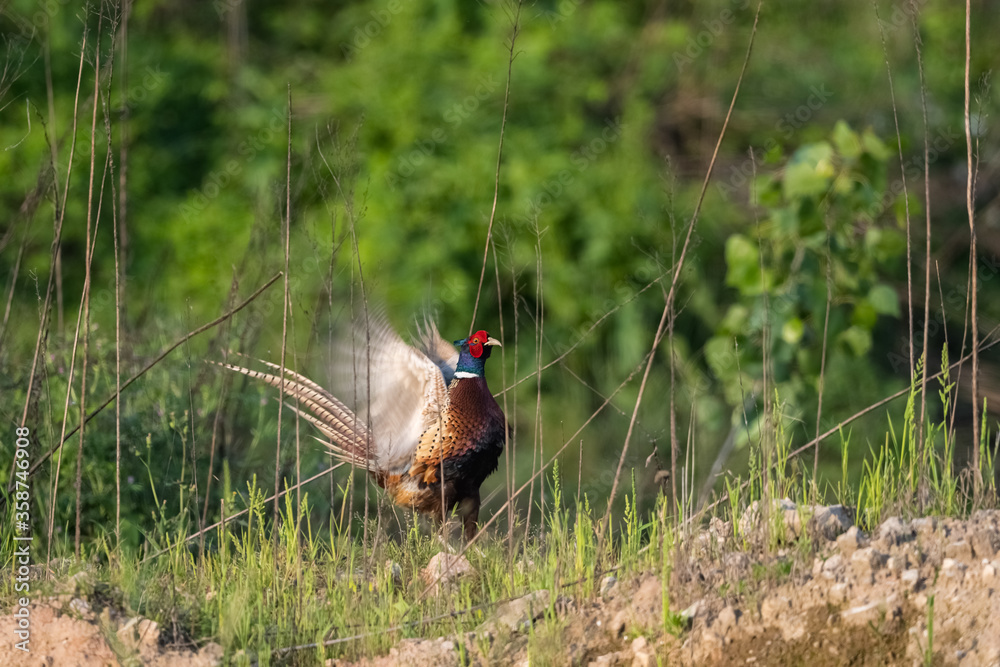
(833,567)
(851,541)
(838,593)
(750,521)
(148,632)
(911,578)
(646,607)
(737,562)
(81,607)
(772,607)
(990,571)
(896,564)
(829,522)
(644,660)
(445,568)
(722,530)
(867,560)
(642,652)
(211,654)
(395,573)
(727,619)
(924,526)
(960,550)
(517,615)
(696,609)
(986,542)
(893,532)
(618,623)
(953,568)
(608,583)
(607,660)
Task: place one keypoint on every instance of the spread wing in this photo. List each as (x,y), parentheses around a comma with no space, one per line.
(437,349)
(399,392)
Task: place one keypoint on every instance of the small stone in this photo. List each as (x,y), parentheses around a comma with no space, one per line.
(395,572)
(896,564)
(726,620)
(989,572)
(960,550)
(772,607)
(517,615)
(642,653)
(952,568)
(851,541)
(617,625)
(793,523)
(606,660)
(838,593)
(445,568)
(924,526)
(830,522)
(986,542)
(644,659)
(79,606)
(148,632)
(607,583)
(867,560)
(697,608)
(893,532)
(736,562)
(833,567)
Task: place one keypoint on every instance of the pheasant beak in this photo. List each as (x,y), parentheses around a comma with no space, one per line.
(492,341)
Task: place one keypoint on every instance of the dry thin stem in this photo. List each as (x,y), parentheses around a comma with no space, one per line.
(56,241)
(671,295)
(927,253)
(826,333)
(906,196)
(973,262)
(765,344)
(43,325)
(223,393)
(503,380)
(93,220)
(515,29)
(284,319)
(123,138)
(536,450)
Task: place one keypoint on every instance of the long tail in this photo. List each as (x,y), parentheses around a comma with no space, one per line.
(348,439)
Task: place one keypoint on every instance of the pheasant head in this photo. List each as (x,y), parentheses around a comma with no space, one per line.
(473,353)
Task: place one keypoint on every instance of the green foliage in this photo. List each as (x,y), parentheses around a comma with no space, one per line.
(822,225)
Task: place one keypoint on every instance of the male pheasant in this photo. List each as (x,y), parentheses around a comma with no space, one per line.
(425,417)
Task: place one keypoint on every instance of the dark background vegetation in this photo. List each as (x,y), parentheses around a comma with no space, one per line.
(396,110)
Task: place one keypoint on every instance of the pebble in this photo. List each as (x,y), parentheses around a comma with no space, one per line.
(960,550)
(833,566)
(911,578)
(851,541)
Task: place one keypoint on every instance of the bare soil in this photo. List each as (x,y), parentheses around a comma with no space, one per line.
(925,591)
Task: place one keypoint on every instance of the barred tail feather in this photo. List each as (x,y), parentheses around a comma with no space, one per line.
(349,439)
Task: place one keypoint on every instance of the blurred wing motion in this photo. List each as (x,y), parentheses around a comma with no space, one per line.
(422,418)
